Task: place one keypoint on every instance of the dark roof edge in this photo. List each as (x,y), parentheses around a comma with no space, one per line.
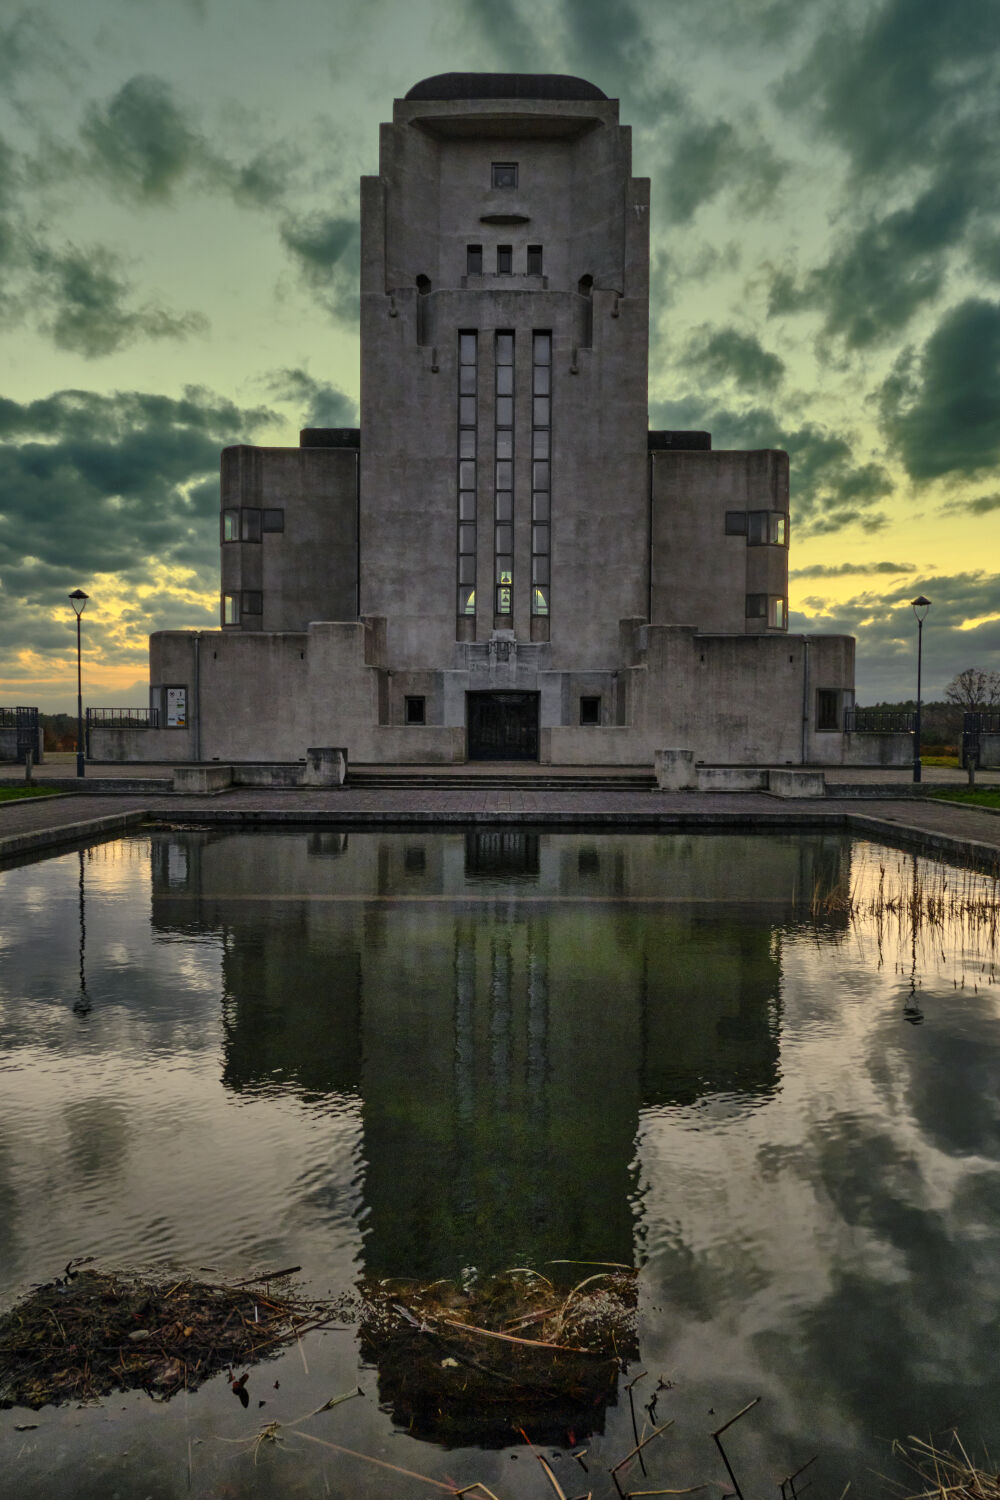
(330,437)
(505,86)
(661,439)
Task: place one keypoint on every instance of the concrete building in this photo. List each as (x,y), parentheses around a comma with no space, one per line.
(504,562)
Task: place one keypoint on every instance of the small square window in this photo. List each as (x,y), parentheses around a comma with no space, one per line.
(230,525)
(590,710)
(416,710)
(253,602)
(756,606)
(534,264)
(274,520)
(415,860)
(250,525)
(736,523)
(505,260)
(757,528)
(473,260)
(505,174)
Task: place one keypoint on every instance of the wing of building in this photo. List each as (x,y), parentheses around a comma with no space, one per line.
(504,561)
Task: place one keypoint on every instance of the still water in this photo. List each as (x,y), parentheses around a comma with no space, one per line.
(424,1054)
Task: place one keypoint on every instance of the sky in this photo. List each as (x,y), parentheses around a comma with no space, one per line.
(179,262)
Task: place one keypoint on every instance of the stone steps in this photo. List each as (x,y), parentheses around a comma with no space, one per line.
(500,780)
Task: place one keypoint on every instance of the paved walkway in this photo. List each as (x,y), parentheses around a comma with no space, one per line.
(939,827)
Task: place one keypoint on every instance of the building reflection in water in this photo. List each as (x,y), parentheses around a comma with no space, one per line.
(503,1003)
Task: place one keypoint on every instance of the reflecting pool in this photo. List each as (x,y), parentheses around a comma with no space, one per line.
(764,1070)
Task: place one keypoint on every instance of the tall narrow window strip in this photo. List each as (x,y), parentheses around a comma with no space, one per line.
(503,488)
(468,366)
(541,471)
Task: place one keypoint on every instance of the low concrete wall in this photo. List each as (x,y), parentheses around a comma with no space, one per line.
(782,783)
(161,747)
(731,778)
(201,779)
(865,749)
(989,752)
(8,745)
(597,745)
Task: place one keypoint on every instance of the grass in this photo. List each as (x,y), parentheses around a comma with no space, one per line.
(951,761)
(975,796)
(18,793)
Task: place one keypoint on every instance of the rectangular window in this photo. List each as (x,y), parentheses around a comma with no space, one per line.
(777,614)
(534,265)
(230,525)
(756,606)
(736,523)
(416,710)
(505,260)
(827,704)
(468,367)
(541,472)
(505,174)
(253,602)
(474,260)
(230,609)
(503,489)
(250,525)
(590,710)
(274,520)
(766,528)
(778,532)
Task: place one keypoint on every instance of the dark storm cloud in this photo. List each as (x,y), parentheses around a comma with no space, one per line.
(710,156)
(102,484)
(141,140)
(83,303)
(843,570)
(319,403)
(326,249)
(830,489)
(941,410)
(728,353)
(979,505)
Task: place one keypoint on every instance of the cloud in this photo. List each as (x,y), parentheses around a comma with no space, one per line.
(830,487)
(319,403)
(142,142)
(116,485)
(843,570)
(940,411)
(979,505)
(728,353)
(326,250)
(88,310)
(710,156)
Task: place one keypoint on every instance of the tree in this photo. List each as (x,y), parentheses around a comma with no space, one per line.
(974,689)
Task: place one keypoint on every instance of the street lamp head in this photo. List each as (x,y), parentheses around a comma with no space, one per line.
(78,599)
(920,606)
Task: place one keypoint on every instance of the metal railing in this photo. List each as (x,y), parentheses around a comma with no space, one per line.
(878,721)
(25,722)
(983,721)
(123,718)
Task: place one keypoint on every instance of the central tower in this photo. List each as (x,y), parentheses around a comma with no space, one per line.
(504,346)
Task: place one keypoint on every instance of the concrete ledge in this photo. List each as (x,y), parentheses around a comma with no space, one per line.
(201,780)
(731,778)
(69,833)
(788,783)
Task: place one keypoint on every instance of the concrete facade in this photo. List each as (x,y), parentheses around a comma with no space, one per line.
(503,561)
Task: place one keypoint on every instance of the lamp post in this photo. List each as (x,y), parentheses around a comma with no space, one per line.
(920,606)
(78,599)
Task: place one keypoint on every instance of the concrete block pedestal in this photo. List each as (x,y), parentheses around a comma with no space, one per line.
(675,770)
(325,766)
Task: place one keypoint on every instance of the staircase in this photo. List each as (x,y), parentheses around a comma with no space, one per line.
(505,776)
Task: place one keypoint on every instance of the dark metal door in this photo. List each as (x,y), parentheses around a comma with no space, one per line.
(502,726)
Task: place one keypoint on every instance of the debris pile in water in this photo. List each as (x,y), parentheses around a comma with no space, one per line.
(503,1351)
(93,1332)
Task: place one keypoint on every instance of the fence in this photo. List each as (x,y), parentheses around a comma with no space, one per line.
(24,724)
(985,721)
(878,721)
(123,718)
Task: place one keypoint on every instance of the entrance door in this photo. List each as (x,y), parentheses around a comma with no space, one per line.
(502,726)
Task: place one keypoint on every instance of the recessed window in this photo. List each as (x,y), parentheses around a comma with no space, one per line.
(253,602)
(534,265)
(767,528)
(230,609)
(250,525)
(777,614)
(505,260)
(416,710)
(505,174)
(590,710)
(230,525)
(826,708)
(756,606)
(736,523)
(274,520)
(473,260)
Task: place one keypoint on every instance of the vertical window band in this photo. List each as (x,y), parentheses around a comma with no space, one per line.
(503,483)
(468,366)
(541,471)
